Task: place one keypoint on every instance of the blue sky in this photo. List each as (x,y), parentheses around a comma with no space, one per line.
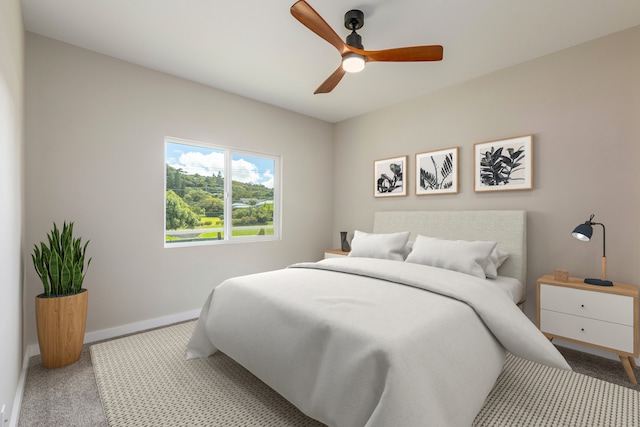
(206,161)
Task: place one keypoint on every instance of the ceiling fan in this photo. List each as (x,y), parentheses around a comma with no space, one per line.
(353,54)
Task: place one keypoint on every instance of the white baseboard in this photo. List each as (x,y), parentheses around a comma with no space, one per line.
(17,401)
(104,334)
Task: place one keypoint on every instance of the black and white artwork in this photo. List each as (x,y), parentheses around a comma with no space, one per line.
(388,175)
(437,172)
(505,164)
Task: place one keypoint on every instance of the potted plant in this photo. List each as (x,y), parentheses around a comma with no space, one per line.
(61,311)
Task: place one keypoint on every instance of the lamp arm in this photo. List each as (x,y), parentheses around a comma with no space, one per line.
(604,256)
(604,238)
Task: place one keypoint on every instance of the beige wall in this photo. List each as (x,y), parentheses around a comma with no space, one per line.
(95,155)
(11,143)
(583,107)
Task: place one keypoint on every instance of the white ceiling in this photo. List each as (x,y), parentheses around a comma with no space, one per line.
(256,49)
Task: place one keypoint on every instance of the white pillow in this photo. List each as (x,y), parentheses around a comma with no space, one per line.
(385,246)
(495,260)
(457,255)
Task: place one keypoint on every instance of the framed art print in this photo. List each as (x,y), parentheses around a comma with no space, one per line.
(437,172)
(506,164)
(389,177)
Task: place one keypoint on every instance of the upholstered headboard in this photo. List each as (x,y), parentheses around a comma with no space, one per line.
(508,228)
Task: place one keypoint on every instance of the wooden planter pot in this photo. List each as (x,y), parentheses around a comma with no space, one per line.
(61,322)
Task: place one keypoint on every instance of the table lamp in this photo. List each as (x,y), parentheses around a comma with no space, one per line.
(584,232)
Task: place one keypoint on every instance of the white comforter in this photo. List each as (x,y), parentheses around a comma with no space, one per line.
(387,344)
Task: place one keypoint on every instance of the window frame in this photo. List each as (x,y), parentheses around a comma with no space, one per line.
(228,237)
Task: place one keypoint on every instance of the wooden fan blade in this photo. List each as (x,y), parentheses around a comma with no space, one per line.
(313,21)
(405,54)
(333,80)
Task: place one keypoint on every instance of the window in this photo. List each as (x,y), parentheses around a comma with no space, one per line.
(217,194)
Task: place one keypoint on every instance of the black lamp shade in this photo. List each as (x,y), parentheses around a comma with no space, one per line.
(583,232)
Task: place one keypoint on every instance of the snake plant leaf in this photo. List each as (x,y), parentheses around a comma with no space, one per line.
(85,271)
(61,264)
(76,250)
(54,271)
(65,273)
(36,256)
(76,277)
(46,255)
(54,239)
(84,251)
(46,252)
(41,269)
(65,280)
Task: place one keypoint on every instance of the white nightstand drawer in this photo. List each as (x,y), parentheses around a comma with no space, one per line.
(605,334)
(594,305)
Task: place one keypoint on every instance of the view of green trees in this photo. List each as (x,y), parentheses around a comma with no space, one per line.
(194,201)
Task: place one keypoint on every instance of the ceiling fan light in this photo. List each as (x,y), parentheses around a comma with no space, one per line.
(353,62)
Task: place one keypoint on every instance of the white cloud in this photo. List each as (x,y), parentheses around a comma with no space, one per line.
(268,179)
(244,171)
(203,164)
(209,164)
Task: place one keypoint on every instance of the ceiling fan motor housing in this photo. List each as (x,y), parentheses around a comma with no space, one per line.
(354,20)
(355,40)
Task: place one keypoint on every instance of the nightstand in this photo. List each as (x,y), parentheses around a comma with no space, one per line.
(604,317)
(335,253)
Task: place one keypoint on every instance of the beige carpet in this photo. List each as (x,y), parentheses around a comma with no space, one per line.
(530,394)
(144,380)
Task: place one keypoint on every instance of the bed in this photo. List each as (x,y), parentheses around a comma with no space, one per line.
(401,332)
